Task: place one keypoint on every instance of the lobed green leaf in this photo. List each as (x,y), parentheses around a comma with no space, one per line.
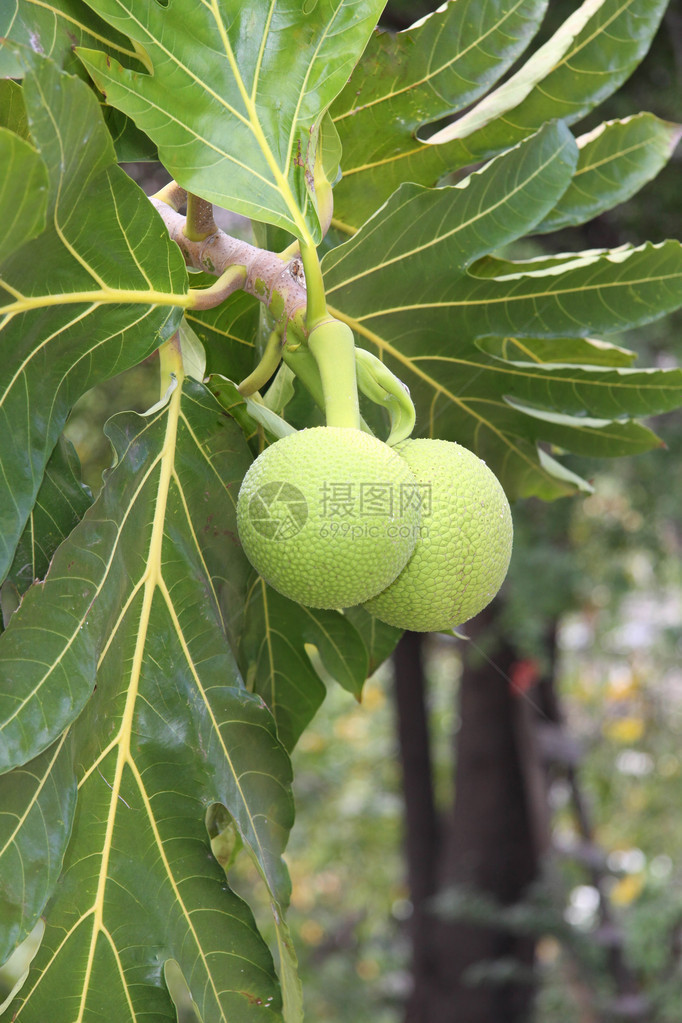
(37,805)
(583,435)
(86,297)
(12,109)
(586,60)
(275,641)
(168,732)
(229,333)
(583,390)
(380,640)
(403,81)
(60,504)
(235,94)
(578,351)
(23,192)
(415,285)
(615,161)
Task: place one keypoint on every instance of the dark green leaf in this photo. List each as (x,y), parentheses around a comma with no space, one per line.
(615,161)
(12,109)
(37,804)
(415,286)
(84,299)
(584,389)
(130,143)
(169,731)
(583,435)
(586,60)
(23,192)
(229,334)
(379,639)
(439,66)
(53,29)
(598,291)
(61,503)
(394,282)
(578,351)
(273,636)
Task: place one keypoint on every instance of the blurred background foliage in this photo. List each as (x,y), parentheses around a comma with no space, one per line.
(608,568)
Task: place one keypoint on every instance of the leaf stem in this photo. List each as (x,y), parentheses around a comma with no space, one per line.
(199,223)
(272,356)
(173,195)
(230,281)
(339,225)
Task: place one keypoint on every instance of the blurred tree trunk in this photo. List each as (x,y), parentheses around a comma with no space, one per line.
(490,841)
(421,831)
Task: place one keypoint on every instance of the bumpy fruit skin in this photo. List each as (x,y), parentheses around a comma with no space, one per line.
(327,516)
(465,543)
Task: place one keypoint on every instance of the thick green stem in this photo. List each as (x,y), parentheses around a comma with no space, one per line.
(333,347)
(301,362)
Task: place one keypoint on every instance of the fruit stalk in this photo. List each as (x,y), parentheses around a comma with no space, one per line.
(333,347)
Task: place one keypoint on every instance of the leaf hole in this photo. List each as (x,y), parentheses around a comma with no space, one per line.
(181,996)
(225,838)
(14,971)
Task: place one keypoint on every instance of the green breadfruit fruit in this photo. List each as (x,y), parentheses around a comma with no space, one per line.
(462,554)
(328,517)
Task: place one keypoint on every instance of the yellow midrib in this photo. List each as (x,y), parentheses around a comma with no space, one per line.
(257,130)
(151,577)
(100,296)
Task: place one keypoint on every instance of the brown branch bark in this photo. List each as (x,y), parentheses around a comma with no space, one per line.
(276,283)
